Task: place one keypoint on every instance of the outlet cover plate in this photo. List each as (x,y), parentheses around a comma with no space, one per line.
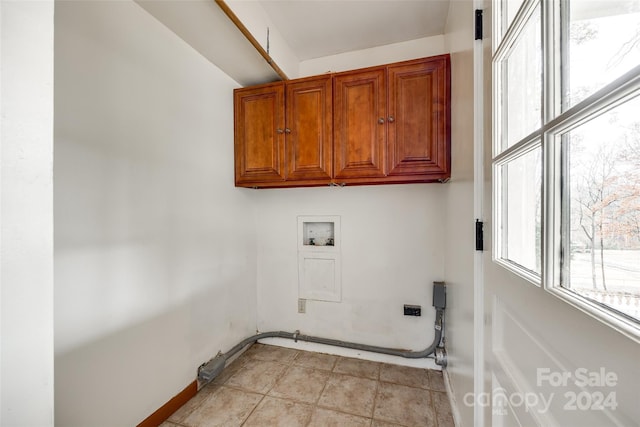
(412,310)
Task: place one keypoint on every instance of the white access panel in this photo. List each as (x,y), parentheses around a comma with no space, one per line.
(319,272)
(319,276)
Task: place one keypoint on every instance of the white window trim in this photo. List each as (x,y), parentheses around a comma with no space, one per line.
(554,124)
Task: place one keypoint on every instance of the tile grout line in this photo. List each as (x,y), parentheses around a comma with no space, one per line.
(270,388)
(375,398)
(253,410)
(315,405)
(291,361)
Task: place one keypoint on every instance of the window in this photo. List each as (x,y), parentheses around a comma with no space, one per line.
(566,158)
(517,146)
(602,201)
(520,181)
(521,91)
(601,43)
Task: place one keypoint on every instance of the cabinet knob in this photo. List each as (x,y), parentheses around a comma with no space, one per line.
(279,130)
(381,120)
(391,119)
(287,130)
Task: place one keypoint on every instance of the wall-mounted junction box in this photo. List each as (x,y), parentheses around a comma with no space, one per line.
(439,295)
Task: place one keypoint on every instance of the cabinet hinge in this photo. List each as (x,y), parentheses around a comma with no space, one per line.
(478,24)
(479,235)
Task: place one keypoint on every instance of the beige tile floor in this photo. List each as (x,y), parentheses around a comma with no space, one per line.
(276,386)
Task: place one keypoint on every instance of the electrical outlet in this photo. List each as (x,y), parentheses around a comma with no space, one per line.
(412,310)
(302,305)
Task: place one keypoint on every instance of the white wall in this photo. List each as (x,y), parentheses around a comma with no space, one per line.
(392,240)
(459,228)
(393,249)
(155,253)
(26,220)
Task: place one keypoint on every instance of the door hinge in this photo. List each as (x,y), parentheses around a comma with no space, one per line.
(479,235)
(478,24)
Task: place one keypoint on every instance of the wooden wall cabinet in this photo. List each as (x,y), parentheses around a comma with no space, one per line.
(283,133)
(259,134)
(309,118)
(379,125)
(419,121)
(360,105)
(392,123)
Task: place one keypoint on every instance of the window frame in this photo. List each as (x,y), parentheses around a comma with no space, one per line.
(526,146)
(504,42)
(616,93)
(554,123)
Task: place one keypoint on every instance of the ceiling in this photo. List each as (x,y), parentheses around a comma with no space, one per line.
(312,28)
(205,27)
(317,28)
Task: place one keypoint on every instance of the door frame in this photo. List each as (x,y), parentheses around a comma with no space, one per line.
(478,212)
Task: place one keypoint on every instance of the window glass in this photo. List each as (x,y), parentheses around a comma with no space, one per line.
(522,85)
(521,210)
(591,157)
(602,233)
(509,9)
(602,42)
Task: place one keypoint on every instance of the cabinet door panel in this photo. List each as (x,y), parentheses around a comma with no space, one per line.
(309,130)
(259,134)
(359,104)
(418,133)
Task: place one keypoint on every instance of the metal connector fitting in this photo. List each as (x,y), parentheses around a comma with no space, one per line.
(441,356)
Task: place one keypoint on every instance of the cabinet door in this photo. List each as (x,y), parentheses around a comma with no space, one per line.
(259,135)
(418,120)
(309,130)
(359,125)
